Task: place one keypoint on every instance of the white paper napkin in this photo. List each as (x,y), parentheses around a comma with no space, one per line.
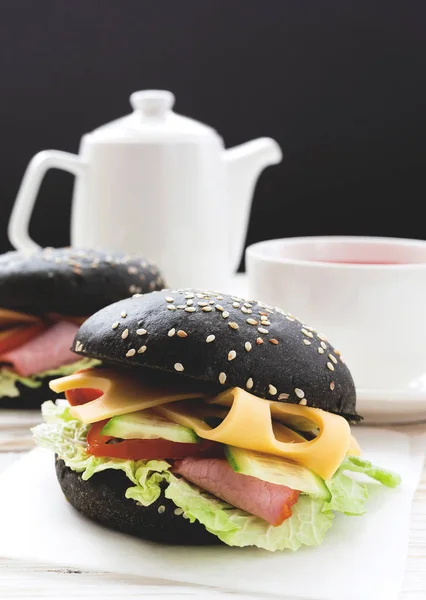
(362,557)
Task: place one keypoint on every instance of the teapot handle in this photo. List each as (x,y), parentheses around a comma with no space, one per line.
(22,209)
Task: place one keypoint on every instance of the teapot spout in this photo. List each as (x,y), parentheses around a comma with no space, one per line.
(244,164)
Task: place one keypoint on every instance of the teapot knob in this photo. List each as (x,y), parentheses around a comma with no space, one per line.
(152,103)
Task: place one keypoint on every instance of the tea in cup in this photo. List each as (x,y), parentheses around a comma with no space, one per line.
(367,294)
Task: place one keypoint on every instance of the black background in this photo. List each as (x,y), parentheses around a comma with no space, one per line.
(339,84)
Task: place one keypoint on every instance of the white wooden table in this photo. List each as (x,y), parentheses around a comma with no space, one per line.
(30,580)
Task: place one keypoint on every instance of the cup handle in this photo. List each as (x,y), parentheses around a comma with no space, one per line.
(22,209)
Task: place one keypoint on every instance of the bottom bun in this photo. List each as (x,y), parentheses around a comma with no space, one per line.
(29,397)
(102,499)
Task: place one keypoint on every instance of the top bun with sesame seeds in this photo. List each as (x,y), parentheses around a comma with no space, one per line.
(44,296)
(225,340)
(70,281)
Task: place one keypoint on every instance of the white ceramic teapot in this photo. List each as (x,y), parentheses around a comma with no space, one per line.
(158,184)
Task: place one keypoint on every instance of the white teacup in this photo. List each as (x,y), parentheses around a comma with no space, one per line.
(366,294)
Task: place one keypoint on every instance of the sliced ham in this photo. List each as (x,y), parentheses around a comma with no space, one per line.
(49,350)
(269,501)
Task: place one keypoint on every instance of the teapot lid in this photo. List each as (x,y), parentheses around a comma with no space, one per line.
(154,121)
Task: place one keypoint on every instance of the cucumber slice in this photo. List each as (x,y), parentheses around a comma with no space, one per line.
(277,470)
(147,425)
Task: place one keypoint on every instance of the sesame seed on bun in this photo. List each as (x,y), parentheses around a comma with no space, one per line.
(70,281)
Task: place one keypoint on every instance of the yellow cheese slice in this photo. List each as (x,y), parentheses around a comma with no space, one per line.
(298,419)
(122,393)
(12,317)
(285,434)
(58,317)
(247,420)
(354,448)
(199,412)
(249,425)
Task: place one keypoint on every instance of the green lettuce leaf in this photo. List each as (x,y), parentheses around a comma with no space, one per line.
(307,526)
(63,370)
(59,413)
(66,436)
(360,465)
(9,379)
(349,494)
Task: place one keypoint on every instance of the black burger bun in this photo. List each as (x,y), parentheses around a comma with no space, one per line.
(102,499)
(70,281)
(224,340)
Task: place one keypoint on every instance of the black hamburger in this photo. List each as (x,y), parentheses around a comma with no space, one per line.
(212,419)
(44,298)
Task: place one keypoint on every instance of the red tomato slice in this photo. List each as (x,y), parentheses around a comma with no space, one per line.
(82,395)
(17,336)
(100,445)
